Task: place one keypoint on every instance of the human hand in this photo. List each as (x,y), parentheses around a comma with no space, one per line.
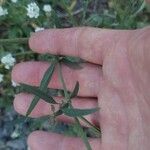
(148,1)
(116,74)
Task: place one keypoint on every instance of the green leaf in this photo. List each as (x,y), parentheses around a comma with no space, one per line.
(47,57)
(55,92)
(49,91)
(47,76)
(80,132)
(32,105)
(75,91)
(72,65)
(93,133)
(72,112)
(34,90)
(58,113)
(74,59)
(43,86)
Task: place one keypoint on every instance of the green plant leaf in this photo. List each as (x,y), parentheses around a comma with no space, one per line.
(94,128)
(58,113)
(75,91)
(43,86)
(72,65)
(34,90)
(47,76)
(72,112)
(49,91)
(56,92)
(74,59)
(32,105)
(47,57)
(80,132)
(93,133)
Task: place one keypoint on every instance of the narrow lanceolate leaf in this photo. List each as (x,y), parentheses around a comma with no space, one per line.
(72,65)
(32,105)
(72,112)
(56,92)
(80,132)
(75,91)
(74,59)
(51,92)
(34,90)
(47,76)
(43,86)
(58,113)
(47,57)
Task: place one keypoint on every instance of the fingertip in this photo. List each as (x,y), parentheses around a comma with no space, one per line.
(22,102)
(15,71)
(43,140)
(32,40)
(19,70)
(39,41)
(31,140)
(27,72)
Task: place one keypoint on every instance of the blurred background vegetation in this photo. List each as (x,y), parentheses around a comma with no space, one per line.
(116,14)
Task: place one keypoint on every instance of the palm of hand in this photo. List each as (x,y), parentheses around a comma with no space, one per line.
(125,94)
(121,85)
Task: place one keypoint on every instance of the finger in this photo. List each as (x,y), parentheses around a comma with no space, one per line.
(32,73)
(90,44)
(43,140)
(22,102)
(113,119)
(148,1)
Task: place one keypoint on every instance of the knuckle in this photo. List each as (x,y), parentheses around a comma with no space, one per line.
(142,35)
(79,39)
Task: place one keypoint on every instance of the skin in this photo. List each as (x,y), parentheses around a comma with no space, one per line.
(115,78)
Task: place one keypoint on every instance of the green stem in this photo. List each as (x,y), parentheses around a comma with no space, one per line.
(23,53)
(68,98)
(15,40)
(90,124)
(82,134)
(63,82)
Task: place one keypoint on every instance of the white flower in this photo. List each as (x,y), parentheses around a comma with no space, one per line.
(8,61)
(47,8)
(33,10)
(14,84)
(3,11)
(15,134)
(1,77)
(14,1)
(38,29)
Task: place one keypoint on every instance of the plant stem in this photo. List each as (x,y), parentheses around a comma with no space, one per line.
(82,134)
(23,53)
(90,124)
(68,98)
(63,82)
(15,40)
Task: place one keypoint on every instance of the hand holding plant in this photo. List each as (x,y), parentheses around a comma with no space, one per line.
(110,79)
